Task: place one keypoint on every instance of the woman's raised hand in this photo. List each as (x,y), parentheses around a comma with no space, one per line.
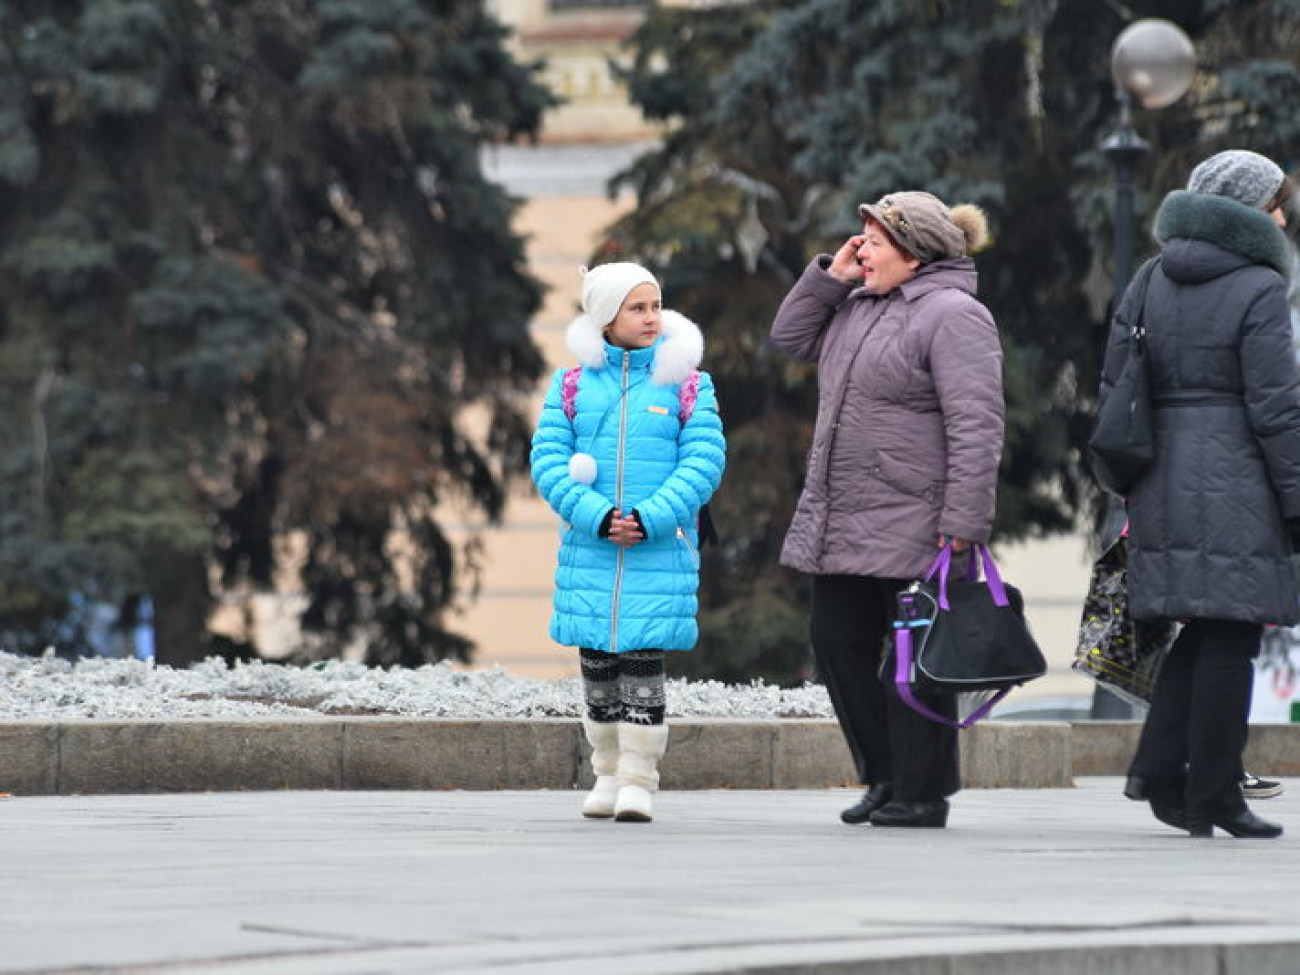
(844,265)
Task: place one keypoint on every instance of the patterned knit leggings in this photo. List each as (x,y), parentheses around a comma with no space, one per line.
(623,686)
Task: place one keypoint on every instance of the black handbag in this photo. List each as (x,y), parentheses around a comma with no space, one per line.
(1120,653)
(957,636)
(1122,445)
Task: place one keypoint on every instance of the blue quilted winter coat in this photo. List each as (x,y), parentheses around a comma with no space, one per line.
(626,417)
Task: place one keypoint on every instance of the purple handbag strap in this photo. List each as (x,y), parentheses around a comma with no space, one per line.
(903,682)
(940,568)
(943,562)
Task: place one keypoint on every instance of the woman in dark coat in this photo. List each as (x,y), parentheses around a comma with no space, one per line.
(1212,521)
(904,457)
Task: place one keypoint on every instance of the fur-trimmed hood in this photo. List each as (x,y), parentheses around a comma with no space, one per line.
(677,353)
(1233,226)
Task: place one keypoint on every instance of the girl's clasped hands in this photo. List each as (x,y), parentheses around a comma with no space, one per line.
(625,530)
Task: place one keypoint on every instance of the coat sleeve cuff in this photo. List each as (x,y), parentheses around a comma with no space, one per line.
(966,531)
(820,282)
(590,513)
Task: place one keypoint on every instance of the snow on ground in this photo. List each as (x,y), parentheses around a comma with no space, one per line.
(50,689)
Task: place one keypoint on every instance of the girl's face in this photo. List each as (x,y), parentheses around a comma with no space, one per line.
(1278,216)
(884,265)
(637,324)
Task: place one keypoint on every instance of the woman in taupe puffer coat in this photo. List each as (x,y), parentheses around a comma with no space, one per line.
(905,456)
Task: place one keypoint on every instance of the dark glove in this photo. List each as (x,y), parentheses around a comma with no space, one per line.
(1293,529)
(639,523)
(708,533)
(603,530)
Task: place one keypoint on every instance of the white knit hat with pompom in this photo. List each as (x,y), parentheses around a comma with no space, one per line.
(605,287)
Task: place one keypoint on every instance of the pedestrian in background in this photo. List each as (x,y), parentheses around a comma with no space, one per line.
(904,458)
(1213,521)
(628,449)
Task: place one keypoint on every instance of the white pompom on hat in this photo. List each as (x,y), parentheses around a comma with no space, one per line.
(605,287)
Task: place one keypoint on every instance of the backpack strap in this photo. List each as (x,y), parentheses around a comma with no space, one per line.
(569,392)
(687,394)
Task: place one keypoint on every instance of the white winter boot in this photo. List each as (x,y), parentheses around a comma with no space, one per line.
(603,738)
(639,749)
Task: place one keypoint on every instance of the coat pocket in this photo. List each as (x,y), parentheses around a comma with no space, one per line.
(902,477)
(688,554)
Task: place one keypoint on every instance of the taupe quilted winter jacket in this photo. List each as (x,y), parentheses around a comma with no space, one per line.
(909,419)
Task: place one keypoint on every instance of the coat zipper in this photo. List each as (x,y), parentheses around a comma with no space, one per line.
(618,503)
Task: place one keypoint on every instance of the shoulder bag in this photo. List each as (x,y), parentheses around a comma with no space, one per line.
(1122,445)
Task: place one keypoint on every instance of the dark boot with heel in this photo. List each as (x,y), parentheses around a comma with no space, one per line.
(872,799)
(1243,824)
(1166,799)
(930,812)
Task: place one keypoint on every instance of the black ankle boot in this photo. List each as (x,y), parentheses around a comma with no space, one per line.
(1167,802)
(871,800)
(1135,788)
(1171,812)
(1244,824)
(931,812)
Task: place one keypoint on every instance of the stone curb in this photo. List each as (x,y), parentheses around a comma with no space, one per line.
(1194,957)
(1105,747)
(85,757)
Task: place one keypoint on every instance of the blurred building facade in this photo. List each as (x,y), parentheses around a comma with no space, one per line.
(576,42)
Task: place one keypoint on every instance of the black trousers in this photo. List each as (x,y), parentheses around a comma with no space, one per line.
(1195,731)
(851,635)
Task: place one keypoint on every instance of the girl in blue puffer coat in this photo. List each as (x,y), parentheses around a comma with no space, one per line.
(628,449)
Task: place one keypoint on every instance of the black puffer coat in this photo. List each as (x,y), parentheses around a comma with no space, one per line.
(1208,533)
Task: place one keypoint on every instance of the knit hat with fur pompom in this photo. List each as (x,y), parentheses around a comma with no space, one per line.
(922,224)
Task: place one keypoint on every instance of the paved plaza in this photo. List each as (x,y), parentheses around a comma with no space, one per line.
(389,883)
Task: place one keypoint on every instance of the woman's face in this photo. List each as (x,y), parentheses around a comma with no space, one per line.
(1279,217)
(637,324)
(884,265)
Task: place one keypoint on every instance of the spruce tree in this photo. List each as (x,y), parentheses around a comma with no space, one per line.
(260,311)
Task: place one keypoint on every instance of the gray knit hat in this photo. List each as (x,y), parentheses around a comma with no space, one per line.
(1240,175)
(923,225)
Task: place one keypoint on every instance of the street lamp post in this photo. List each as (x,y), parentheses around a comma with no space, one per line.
(1125,149)
(1152,62)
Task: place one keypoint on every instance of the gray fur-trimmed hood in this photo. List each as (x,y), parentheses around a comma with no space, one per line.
(677,354)
(1235,227)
